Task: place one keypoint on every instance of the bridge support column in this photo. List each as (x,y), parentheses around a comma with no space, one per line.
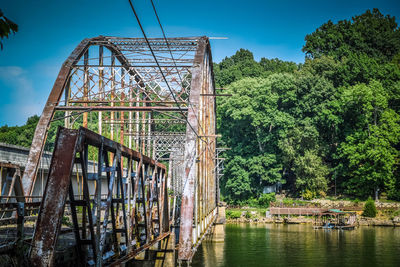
(218,233)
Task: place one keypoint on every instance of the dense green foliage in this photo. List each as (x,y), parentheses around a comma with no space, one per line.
(19,135)
(369,208)
(371,33)
(334,118)
(266,199)
(233,214)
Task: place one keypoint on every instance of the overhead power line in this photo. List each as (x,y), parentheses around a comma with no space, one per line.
(173,60)
(159,67)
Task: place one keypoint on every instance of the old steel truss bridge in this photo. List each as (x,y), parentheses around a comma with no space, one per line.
(126,114)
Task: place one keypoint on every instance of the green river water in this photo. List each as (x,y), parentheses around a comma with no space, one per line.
(300,245)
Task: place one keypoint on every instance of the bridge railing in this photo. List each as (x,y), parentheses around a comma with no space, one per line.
(109,228)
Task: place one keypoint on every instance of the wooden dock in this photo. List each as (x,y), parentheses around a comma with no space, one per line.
(296,211)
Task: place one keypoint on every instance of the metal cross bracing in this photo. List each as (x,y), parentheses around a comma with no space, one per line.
(220,162)
(131,211)
(16,216)
(116,88)
(163,144)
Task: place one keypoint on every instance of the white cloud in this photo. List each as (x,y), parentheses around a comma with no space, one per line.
(15,77)
(18,96)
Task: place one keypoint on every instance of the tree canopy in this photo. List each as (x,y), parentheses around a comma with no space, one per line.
(333,118)
(371,33)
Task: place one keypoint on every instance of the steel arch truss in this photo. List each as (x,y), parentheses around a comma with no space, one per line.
(117,79)
(114,87)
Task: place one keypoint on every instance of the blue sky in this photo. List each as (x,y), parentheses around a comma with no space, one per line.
(49,31)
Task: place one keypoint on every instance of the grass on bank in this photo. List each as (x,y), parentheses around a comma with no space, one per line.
(246,212)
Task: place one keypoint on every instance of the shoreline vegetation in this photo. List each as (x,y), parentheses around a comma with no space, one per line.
(305,220)
(387,212)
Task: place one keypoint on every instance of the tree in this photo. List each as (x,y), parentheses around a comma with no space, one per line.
(236,184)
(6,27)
(368,153)
(19,135)
(302,160)
(310,172)
(369,208)
(251,123)
(371,33)
(276,65)
(242,65)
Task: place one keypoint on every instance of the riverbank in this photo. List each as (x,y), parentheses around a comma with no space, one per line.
(385,217)
(306,220)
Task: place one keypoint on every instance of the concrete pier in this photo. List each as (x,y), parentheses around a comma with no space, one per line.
(218,231)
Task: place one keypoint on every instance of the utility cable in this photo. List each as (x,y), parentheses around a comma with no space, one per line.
(159,67)
(180,78)
(174,62)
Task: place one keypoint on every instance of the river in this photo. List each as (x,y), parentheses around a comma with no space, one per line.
(299,245)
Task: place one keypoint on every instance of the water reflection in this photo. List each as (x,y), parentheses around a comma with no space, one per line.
(300,245)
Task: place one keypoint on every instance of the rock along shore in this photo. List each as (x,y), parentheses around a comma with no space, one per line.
(306,220)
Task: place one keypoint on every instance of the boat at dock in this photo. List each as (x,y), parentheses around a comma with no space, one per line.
(335,219)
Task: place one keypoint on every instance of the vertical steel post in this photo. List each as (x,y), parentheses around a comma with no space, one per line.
(67,95)
(97,205)
(20,233)
(165,203)
(130,97)
(52,206)
(101,87)
(112,93)
(122,115)
(190,157)
(85,86)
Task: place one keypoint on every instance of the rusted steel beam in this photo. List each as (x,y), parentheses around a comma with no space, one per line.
(144,204)
(150,201)
(47,114)
(199,198)
(135,192)
(190,172)
(134,65)
(86,198)
(14,185)
(69,143)
(123,101)
(40,135)
(109,208)
(14,205)
(216,95)
(122,197)
(96,140)
(187,40)
(119,108)
(132,254)
(97,204)
(52,207)
(75,222)
(9,165)
(164,202)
